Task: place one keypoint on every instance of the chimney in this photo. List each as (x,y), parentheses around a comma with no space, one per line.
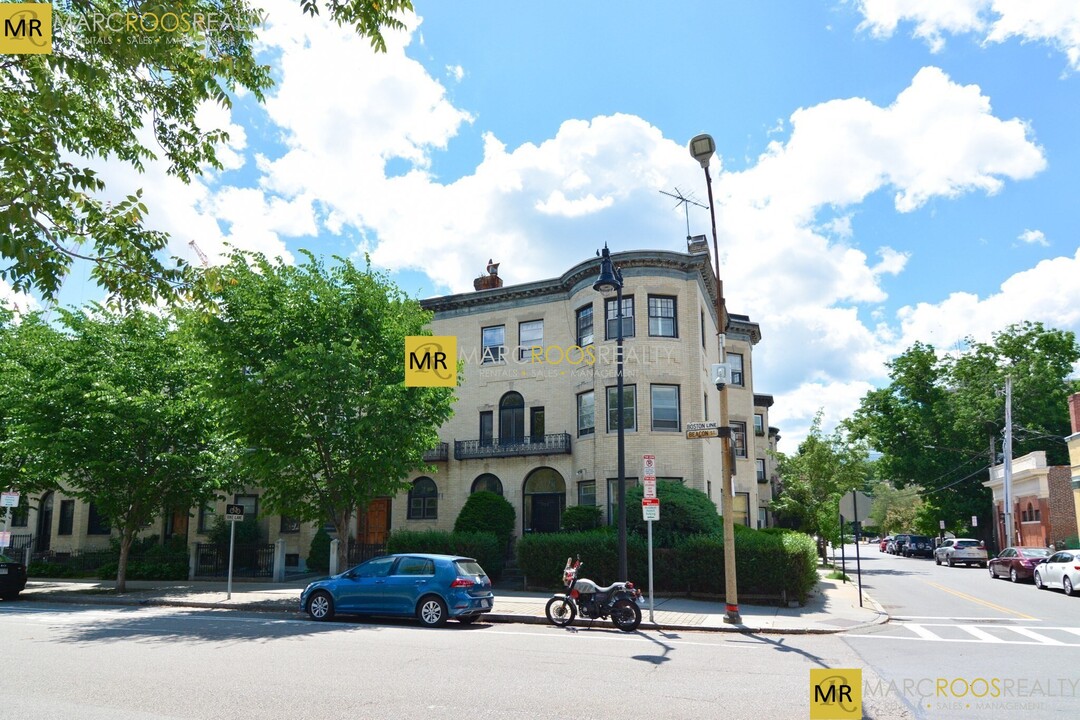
(1074,412)
(489,281)
(697,244)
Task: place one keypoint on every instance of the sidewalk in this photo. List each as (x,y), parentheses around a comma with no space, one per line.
(833,607)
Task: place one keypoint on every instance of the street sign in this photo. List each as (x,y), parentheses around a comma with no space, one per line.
(855,505)
(695,430)
(941,524)
(9,499)
(234,512)
(648,466)
(650,509)
(5,539)
(649,485)
(974,521)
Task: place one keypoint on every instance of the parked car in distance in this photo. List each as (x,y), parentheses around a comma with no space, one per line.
(884,546)
(898,543)
(1060,570)
(961,551)
(431,588)
(920,545)
(12,577)
(1017,563)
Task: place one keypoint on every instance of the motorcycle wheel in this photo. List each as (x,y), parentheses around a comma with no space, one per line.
(626,615)
(560,611)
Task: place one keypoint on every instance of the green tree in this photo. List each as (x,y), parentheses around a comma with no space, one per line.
(813,480)
(893,509)
(685,512)
(122,421)
(310,364)
(489,512)
(63,113)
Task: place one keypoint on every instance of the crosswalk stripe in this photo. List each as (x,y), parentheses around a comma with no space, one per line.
(922,632)
(979,633)
(1035,636)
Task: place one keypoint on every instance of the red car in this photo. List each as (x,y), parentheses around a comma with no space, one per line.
(1017,563)
(884,543)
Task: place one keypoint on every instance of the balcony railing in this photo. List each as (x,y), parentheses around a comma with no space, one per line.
(439,453)
(554,444)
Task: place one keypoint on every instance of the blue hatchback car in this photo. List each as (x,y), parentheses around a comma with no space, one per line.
(432,588)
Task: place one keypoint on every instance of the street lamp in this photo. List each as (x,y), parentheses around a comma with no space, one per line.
(702,148)
(611,279)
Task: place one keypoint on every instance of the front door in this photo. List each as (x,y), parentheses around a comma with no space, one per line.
(546,511)
(44,527)
(375,527)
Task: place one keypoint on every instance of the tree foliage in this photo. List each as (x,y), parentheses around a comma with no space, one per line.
(120,419)
(120,86)
(686,511)
(309,364)
(489,512)
(824,468)
(893,509)
(935,422)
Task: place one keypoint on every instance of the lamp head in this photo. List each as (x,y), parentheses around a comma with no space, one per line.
(702,148)
(610,278)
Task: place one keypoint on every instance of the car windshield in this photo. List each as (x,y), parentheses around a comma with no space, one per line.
(469,567)
(5,558)
(967,543)
(1035,552)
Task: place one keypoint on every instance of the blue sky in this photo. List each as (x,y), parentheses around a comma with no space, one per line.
(888,171)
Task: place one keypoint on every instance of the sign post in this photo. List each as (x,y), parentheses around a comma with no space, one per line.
(650,510)
(233,515)
(9,501)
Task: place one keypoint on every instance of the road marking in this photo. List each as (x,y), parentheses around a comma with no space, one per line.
(923,632)
(1035,636)
(980,633)
(980,601)
(904,618)
(964,640)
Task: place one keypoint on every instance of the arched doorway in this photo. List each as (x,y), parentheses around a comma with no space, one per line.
(44,523)
(545,499)
(488,482)
(511,419)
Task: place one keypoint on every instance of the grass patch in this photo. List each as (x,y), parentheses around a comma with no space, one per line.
(837,575)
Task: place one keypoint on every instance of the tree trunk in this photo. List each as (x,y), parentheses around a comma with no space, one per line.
(341,524)
(121,569)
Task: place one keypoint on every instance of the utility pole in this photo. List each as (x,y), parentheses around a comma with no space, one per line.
(1008,462)
(702,148)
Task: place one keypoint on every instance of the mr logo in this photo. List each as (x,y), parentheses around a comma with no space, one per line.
(25,28)
(430,361)
(836,694)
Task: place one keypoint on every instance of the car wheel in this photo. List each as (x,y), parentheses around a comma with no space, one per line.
(1013,576)
(431,611)
(937,560)
(468,619)
(320,606)
(1038,581)
(950,562)
(1067,586)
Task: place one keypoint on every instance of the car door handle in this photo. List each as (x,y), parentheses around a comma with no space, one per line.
(421,582)
(380,582)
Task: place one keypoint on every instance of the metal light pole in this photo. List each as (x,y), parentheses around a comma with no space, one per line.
(702,148)
(1008,450)
(611,279)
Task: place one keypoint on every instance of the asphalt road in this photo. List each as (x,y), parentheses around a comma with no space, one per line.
(963,645)
(67,661)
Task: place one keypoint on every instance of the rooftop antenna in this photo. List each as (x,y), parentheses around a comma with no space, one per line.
(686,202)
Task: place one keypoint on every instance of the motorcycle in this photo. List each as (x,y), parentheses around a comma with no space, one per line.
(619,601)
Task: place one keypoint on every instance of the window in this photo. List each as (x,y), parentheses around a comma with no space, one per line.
(250,503)
(511,419)
(486,427)
(741,508)
(629,408)
(530,337)
(415,566)
(611,312)
(586,413)
(613,498)
(206,518)
(735,360)
(759,424)
(703,328)
(536,424)
(97,524)
(487,482)
(20,516)
(67,517)
(665,407)
(738,438)
(662,322)
(586,493)
(585,326)
(705,404)
(762,518)
(423,500)
(493,344)
(760,470)
(289,525)
(379,567)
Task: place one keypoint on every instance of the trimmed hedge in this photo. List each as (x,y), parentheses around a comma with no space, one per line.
(319,553)
(487,512)
(581,518)
(485,548)
(686,512)
(767,563)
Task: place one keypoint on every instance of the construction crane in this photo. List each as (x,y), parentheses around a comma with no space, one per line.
(200,253)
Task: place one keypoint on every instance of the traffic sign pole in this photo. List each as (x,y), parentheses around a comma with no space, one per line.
(232,543)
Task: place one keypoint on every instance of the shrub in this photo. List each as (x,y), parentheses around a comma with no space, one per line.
(319,555)
(542,557)
(484,547)
(487,512)
(684,512)
(581,518)
(247,531)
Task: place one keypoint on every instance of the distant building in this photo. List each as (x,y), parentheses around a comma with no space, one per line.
(1043,509)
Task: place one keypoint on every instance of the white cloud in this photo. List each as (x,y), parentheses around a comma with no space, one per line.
(1034,237)
(1055,22)
(456,72)
(19,302)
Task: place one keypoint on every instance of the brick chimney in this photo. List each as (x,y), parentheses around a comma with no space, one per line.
(489,281)
(1074,412)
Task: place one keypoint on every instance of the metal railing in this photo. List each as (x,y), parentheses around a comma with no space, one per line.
(440,453)
(553,444)
(249,560)
(361,552)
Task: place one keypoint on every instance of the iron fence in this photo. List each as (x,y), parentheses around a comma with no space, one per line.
(249,560)
(360,552)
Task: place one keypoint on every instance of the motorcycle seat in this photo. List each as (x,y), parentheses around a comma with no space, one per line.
(609,588)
